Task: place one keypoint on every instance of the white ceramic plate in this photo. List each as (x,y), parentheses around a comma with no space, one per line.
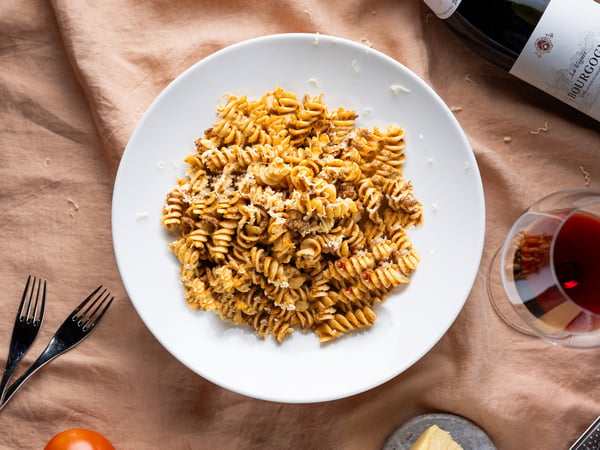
(439,162)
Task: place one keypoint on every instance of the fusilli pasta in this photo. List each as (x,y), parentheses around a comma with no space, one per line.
(290,217)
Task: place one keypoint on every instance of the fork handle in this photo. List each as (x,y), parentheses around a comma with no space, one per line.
(45,357)
(15,354)
(10,369)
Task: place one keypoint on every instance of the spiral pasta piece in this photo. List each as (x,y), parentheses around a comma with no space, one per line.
(173,210)
(343,323)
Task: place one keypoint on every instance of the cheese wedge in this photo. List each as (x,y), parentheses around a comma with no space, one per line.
(434,438)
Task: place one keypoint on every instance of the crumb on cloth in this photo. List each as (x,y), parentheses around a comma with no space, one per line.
(586,176)
(366,41)
(74,205)
(543,129)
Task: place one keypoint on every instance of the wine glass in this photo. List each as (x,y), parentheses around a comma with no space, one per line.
(545,279)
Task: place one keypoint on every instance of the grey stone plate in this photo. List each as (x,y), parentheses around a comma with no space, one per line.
(463,431)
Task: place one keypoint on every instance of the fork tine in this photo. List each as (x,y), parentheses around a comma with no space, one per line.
(30,311)
(75,312)
(23,298)
(39,313)
(35,311)
(92,312)
(88,314)
(101,313)
(35,288)
(91,305)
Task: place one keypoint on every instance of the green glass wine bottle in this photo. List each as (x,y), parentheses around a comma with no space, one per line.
(553,45)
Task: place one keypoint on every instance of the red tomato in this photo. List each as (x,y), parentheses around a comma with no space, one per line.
(79,439)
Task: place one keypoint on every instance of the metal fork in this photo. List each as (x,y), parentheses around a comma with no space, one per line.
(27,325)
(74,329)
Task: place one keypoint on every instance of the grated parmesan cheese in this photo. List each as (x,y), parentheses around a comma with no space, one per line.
(366,42)
(586,176)
(335,242)
(75,205)
(379,240)
(397,88)
(541,129)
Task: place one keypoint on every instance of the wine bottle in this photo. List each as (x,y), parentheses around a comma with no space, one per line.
(553,45)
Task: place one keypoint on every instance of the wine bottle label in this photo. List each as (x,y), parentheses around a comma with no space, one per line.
(443,8)
(562,56)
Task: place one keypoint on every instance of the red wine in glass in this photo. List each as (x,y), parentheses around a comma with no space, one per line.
(550,269)
(576,260)
(575,264)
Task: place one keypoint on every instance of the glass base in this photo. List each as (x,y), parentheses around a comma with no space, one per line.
(500,301)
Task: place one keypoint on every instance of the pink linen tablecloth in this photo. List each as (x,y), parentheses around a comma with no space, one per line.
(75,78)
